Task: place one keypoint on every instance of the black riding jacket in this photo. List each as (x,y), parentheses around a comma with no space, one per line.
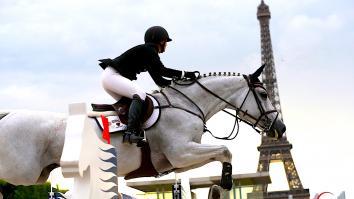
(139,59)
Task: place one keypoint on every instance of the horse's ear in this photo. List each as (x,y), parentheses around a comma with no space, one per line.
(258,72)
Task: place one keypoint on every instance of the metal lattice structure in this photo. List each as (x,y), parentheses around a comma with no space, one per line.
(275,150)
(268,76)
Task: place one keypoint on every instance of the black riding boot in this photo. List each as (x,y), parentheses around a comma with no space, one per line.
(135,133)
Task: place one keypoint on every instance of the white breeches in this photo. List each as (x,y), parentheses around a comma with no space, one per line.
(117,86)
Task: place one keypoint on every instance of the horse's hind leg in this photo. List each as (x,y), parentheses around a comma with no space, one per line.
(180,170)
(193,155)
(45,173)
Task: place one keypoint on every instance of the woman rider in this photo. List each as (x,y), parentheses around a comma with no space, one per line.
(119,73)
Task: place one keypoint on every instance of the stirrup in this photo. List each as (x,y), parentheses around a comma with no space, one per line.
(129,137)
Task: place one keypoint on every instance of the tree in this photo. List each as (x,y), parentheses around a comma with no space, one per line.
(10,191)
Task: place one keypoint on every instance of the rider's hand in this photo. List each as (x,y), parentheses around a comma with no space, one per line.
(190,75)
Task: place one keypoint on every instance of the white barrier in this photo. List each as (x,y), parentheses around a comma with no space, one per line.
(86,158)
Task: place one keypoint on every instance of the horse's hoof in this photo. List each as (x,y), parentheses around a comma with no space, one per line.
(215,192)
(226,184)
(226,176)
(132,138)
(275,134)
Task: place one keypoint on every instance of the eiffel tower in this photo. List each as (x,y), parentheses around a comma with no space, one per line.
(275,150)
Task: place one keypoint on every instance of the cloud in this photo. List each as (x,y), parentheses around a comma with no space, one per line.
(83,30)
(330,22)
(51,91)
(20,93)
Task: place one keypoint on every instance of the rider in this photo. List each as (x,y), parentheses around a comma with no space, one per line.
(119,73)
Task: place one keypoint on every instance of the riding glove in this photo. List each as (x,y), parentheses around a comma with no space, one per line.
(190,75)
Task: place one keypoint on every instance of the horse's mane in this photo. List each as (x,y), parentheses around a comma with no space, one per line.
(210,74)
(228,74)
(3,114)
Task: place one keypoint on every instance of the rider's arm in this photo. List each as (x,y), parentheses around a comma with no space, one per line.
(159,80)
(156,66)
(159,68)
(157,71)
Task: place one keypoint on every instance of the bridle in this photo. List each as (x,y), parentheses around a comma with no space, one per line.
(268,123)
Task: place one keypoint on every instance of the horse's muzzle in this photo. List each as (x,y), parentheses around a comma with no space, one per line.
(278,130)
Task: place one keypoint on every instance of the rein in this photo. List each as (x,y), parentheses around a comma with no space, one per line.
(202,116)
(236,123)
(252,86)
(170,105)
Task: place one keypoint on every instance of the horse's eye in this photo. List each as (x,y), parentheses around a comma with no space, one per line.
(263,94)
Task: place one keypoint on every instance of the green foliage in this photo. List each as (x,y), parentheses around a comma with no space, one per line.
(25,192)
(2,182)
(34,191)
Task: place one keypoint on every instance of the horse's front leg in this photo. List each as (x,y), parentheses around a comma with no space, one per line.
(193,155)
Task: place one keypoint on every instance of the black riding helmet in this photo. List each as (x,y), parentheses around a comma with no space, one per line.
(156,34)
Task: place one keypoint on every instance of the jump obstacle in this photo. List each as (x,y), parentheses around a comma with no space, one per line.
(91,162)
(86,158)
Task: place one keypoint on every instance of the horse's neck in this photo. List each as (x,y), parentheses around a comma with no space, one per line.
(229,88)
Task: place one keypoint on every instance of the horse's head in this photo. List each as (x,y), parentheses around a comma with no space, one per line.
(257,110)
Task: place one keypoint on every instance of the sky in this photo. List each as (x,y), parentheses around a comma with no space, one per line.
(49,52)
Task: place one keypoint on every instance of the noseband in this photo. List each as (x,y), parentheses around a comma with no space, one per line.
(268,122)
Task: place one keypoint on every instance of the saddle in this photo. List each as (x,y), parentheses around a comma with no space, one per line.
(118,112)
(122,108)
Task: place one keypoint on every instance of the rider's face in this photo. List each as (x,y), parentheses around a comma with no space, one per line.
(162,46)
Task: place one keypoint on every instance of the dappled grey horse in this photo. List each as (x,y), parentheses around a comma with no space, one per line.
(32,142)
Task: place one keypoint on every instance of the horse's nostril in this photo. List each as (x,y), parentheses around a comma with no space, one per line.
(283,129)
